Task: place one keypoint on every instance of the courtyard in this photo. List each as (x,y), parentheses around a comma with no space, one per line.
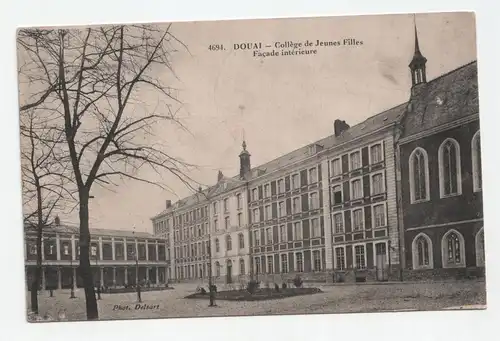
(332,299)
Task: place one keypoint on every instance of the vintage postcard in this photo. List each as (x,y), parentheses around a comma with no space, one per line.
(251,167)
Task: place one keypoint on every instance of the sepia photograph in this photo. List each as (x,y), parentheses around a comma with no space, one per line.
(315,165)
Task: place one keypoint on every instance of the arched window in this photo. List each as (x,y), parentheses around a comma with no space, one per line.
(450,176)
(217,245)
(422,252)
(241,240)
(476,162)
(419,175)
(229,243)
(480,254)
(217,269)
(242,266)
(453,250)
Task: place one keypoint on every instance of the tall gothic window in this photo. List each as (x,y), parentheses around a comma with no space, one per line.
(476,162)
(450,178)
(422,252)
(242,267)
(229,243)
(453,250)
(419,175)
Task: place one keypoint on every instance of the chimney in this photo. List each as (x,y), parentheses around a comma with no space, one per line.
(57,221)
(339,126)
(219,176)
(168,203)
(199,189)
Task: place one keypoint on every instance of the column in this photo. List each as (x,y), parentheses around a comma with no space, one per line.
(125,250)
(43,278)
(101,269)
(100,248)
(147,273)
(73,247)
(114,274)
(157,276)
(73,273)
(125,280)
(59,277)
(156,246)
(167,275)
(113,248)
(327,220)
(58,247)
(147,250)
(43,249)
(26,286)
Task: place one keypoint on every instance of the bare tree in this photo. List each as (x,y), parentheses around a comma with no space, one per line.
(46,185)
(96,79)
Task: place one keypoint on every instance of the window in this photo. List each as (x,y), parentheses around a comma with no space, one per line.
(297,230)
(240,219)
(256,215)
(238,201)
(377,184)
(66,249)
(255,194)
(242,267)
(336,167)
(453,250)
(267,191)
(32,249)
(281,209)
(357,220)
(281,186)
(316,260)
(359,253)
(226,223)
(267,212)
(229,243)
(422,252)
(217,269)
(338,220)
(337,195)
(355,160)
(476,162)
(356,189)
(379,216)
(480,254)
(313,175)
(257,265)
(216,225)
(299,262)
(284,263)
(269,236)
(376,155)
(340,258)
(295,181)
(296,205)
(313,201)
(241,240)
(315,230)
(256,235)
(215,207)
(226,205)
(217,246)
(93,250)
(282,233)
(450,179)
(270,267)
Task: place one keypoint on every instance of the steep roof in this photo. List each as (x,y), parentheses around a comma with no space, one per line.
(445,99)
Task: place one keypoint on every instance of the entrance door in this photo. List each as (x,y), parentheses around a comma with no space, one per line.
(380,260)
(229,272)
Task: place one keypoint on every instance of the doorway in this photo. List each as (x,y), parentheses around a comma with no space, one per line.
(380,261)
(229,271)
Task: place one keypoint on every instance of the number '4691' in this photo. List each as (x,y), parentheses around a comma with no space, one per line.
(216,47)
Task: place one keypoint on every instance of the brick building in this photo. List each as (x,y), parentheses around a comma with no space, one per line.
(112,255)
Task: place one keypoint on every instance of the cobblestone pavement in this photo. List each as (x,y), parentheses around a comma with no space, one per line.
(334,299)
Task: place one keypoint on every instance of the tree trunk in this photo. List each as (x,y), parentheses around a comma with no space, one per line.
(35,285)
(85,270)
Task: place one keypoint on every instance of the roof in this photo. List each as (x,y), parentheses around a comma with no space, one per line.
(73,229)
(447,98)
(226,184)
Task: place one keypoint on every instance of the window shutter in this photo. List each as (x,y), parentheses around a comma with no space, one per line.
(347,218)
(260,192)
(346,191)
(273,187)
(275,234)
(366,186)
(345,163)
(364,156)
(288,206)
(303,177)
(322,225)
(291,262)
(274,208)
(368,217)
(305,229)
(307,260)
(287,183)
(369,255)
(305,202)
(290,232)
(348,256)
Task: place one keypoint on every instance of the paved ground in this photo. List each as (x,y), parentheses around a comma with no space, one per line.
(334,299)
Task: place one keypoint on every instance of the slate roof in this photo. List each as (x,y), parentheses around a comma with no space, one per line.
(69,229)
(370,125)
(445,99)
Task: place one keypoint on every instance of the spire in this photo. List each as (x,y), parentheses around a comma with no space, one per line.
(244,161)
(417,64)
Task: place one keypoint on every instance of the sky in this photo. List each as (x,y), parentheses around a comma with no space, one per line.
(281,103)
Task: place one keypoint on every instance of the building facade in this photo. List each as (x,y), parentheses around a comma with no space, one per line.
(440,174)
(118,258)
